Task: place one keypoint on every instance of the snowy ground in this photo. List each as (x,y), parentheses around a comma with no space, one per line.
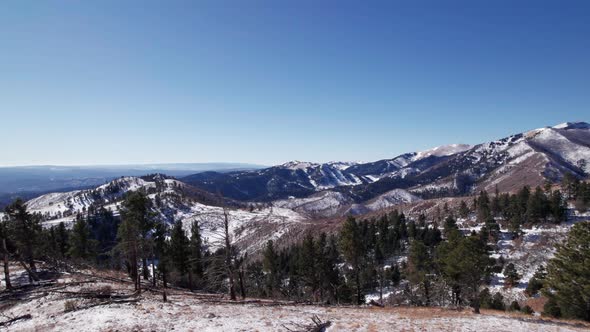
(192,312)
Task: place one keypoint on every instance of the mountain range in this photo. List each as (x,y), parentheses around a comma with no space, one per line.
(529,158)
(281,202)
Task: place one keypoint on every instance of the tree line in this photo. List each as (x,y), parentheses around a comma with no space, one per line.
(426,263)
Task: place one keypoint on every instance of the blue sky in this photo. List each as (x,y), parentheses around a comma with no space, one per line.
(116,82)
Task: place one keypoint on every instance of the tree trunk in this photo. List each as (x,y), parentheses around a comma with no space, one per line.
(476,303)
(228,261)
(6,268)
(242,288)
(190,279)
(381,285)
(427,292)
(145,269)
(153,272)
(358,287)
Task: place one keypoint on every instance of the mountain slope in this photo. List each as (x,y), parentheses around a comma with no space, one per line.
(173,201)
(528,158)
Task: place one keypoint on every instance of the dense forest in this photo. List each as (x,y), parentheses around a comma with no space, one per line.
(426,262)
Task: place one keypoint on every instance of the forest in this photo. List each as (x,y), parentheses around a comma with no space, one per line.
(421,262)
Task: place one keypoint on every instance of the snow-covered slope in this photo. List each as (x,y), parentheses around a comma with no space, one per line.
(250,226)
(323,204)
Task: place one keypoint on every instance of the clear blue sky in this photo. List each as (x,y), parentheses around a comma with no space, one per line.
(112,82)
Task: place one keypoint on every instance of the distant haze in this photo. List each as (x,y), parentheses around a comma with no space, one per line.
(47,178)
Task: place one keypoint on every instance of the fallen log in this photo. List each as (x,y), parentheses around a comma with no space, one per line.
(105,303)
(317,326)
(376,304)
(8,322)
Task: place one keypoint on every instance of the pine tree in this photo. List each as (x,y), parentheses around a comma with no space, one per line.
(82,246)
(162,251)
(568,274)
(463,210)
(129,233)
(511,276)
(537,281)
(558,207)
(196,254)
(62,238)
(308,263)
(24,229)
(271,267)
(179,249)
(352,250)
(466,264)
(419,267)
(450,226)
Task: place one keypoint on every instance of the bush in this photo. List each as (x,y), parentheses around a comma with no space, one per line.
(527,310)
(551,308)
(498,302)
(514,306)
(70,305)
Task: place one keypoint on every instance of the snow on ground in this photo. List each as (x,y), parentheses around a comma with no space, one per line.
(441,151)
(326,203)
(199,312)
(249,229)
(392,198)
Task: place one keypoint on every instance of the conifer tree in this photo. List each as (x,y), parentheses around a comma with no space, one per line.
(196,254)
(511,276)
(82,246)
(419,267)
(132,232)
(352,250)
(568,274)
(24,229)
(463,210)
(179,249)
(270,265)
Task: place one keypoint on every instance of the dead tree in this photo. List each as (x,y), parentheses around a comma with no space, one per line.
(228,255)
(222,268)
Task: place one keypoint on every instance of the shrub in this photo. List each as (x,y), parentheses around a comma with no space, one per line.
(514,306)
(527,310)
(70,305)
(551,308)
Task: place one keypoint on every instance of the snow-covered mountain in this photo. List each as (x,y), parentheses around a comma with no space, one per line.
(528,158)
(173,201)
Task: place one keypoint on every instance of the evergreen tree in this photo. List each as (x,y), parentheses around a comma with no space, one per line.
(419,267)
(568,274)
(352,250)
(195,254)
(536,206)
(270,265)
(179,249)
(467,264)
(24,229)
(82,246)
(162,251)
(62,239)
(537,281)
(450,226)
(463,210)
(511,276)
(558,207)
(308,263)
(130,231)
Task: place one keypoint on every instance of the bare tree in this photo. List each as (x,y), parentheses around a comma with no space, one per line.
(221,268)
